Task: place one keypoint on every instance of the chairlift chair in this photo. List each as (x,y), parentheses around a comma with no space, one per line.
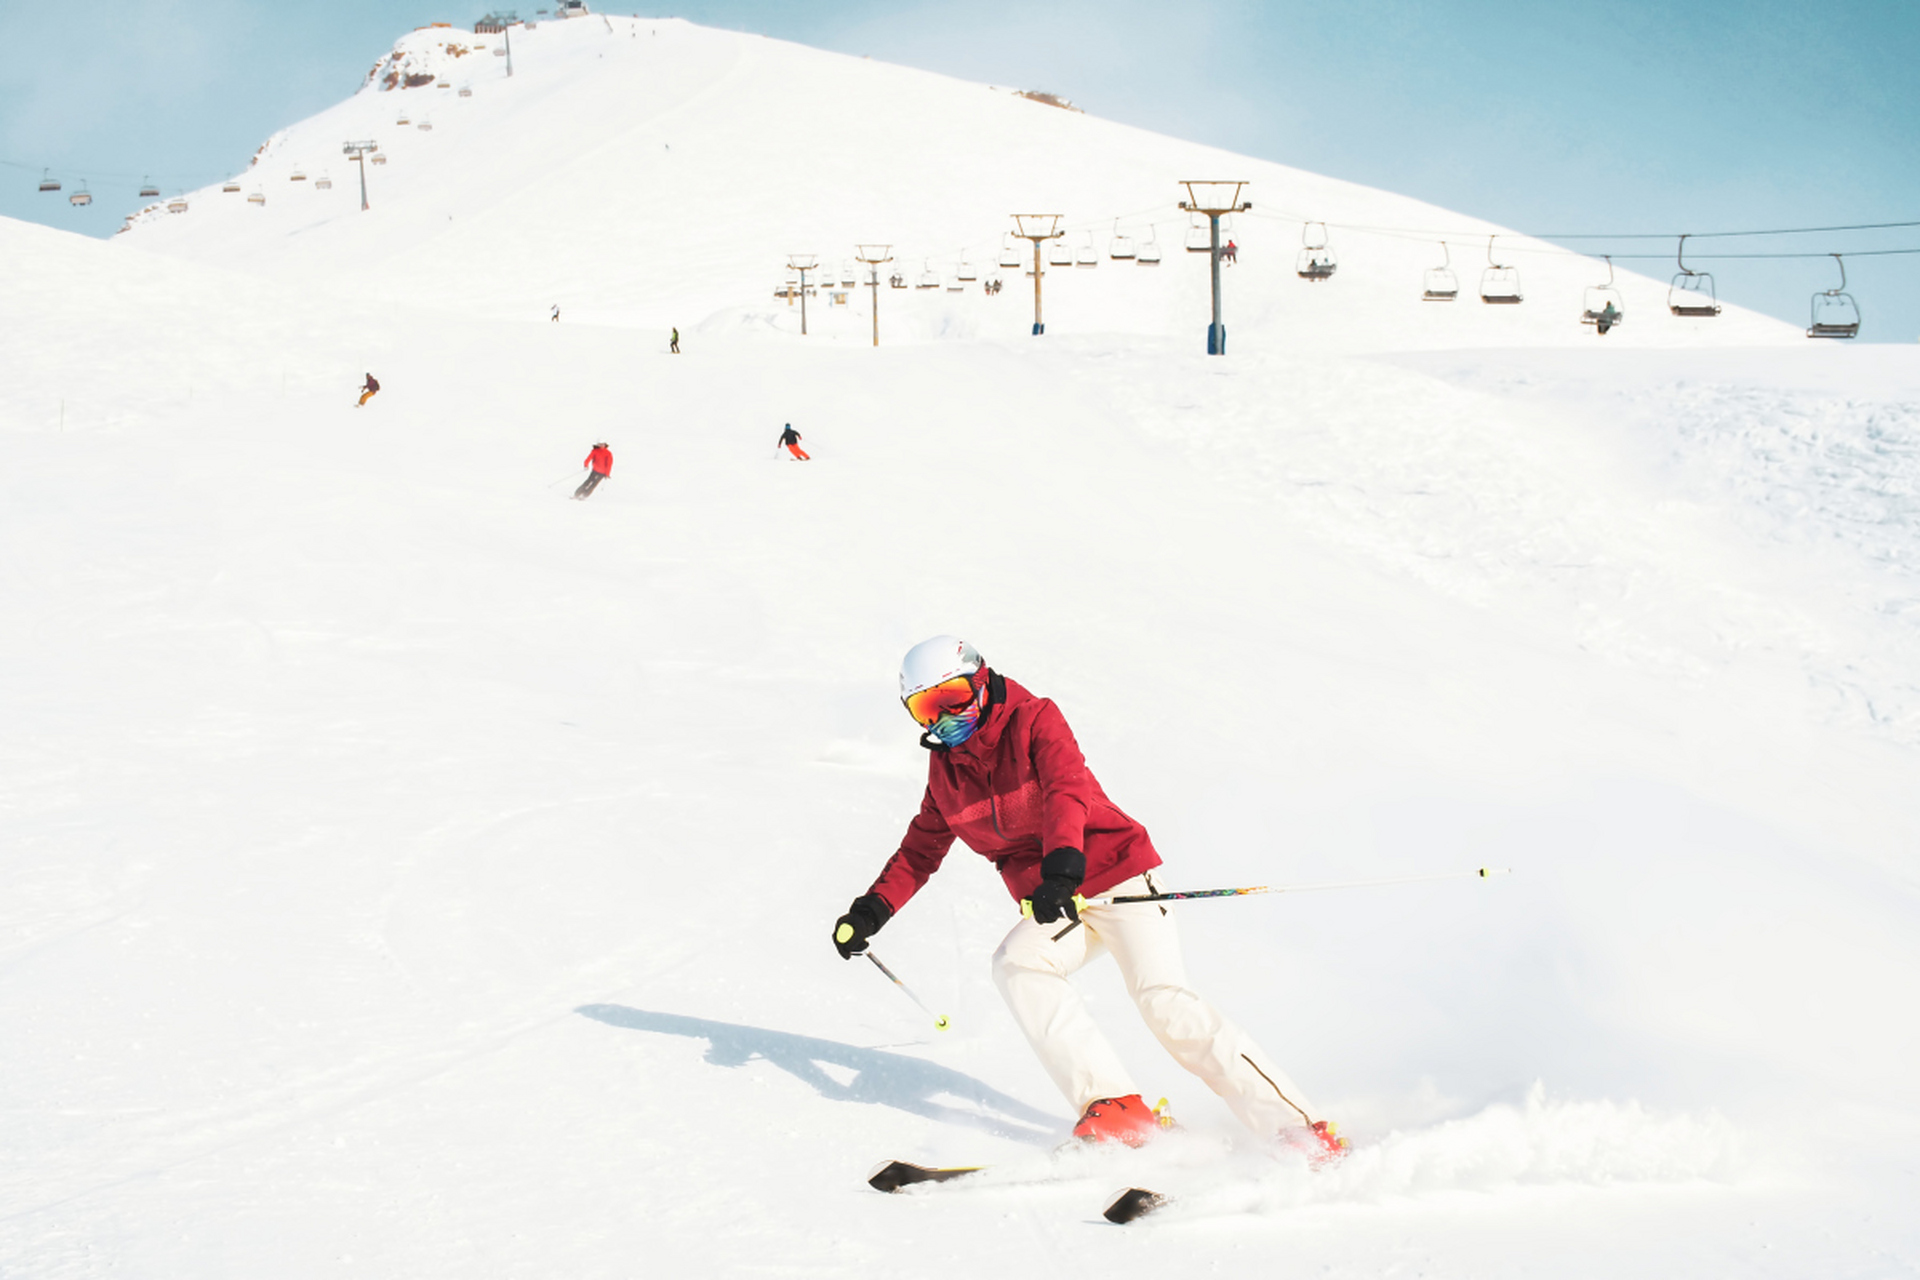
(1692,292)
(1088,255)
(1440,284)
(425,126)
(323,183)
(499,51)
(1121,247)
(1199,235)
(148,190)
(896,281)
(466,91)
(1147,252)
(1601,305)
(929,278)
(956,285)
(443,84)
(258,197)
(402,120)
(81,198)
(230,187)
(177,205)
(1835,314)
(48,182)
(849,278)
(1009,254)
(1059,252)
(1500,285)
(298,175)
(967,272)
(1316,261)
(992,283)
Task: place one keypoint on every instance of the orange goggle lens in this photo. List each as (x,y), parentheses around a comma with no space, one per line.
(942,699)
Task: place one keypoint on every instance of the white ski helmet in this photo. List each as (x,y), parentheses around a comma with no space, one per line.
(931,661)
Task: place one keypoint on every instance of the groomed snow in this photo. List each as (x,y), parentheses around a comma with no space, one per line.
(411,872)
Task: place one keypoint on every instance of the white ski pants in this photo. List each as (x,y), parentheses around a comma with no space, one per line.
(1032,968)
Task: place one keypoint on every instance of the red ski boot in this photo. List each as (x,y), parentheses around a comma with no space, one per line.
(1129,1120)
(1319,1142)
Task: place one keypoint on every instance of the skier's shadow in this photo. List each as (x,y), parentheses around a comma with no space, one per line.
(889,1079)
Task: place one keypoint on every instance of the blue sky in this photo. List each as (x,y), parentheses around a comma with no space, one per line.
(1544,116)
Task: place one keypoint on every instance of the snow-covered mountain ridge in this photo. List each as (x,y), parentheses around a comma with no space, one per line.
(651,172)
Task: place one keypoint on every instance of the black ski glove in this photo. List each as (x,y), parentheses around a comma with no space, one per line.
(1061,872)
(863,919)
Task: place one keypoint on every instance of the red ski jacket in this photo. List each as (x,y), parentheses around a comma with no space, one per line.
(601,460)
(1017,789)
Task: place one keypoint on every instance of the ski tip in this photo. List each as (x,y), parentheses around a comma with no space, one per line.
(892,1175)
(1132,1204)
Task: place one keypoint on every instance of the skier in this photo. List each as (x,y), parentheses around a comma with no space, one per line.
(1607,318)
(556,313)
(367,390)
(599,466)
(1006,776)
(791,439)
(674,345)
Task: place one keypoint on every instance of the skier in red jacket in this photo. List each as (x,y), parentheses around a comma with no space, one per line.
(1006,776)
(599,466)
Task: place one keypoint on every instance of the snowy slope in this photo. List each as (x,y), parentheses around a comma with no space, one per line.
(652,173)
(411,871)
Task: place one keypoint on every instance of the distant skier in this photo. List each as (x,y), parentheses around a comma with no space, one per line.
(556,313)
(367,390)
(1231,253)
(674,345)
(791,439)
(599,466)
(1608,317)
(1006,776)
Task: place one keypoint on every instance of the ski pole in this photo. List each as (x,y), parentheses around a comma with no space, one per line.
(939,1019)
(1481,873)
(567,476)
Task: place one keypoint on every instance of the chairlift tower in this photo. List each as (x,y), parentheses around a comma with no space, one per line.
(1214,198)
(803,263)
(1037,227)
(873,255)
(359,151)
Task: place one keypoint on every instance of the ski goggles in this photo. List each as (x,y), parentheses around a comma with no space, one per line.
(949,697)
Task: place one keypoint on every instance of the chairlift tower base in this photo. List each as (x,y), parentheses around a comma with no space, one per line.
(1214,198)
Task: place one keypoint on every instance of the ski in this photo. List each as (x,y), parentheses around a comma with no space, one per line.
(1132,1204)
(895,1174)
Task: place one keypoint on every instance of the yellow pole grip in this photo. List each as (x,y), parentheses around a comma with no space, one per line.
(843,934)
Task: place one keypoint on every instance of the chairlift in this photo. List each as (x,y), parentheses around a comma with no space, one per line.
(48,182)
(425,126)
(499,51)
(258,197)
(1009,254)
(323,183)
(466,91)
(956,285)
(1059,252)
(1499,285)
(966,273)
(443,84)
(1602,306)
(1121,247)
(1692,292)
(1316,261)
(992,283)
(298,175)
(1147,252)
(148,190)
(378,157)
(1199,235)
(896,281)
(1835,314)
(1440,284)
(929,278)
(1088,256)
(81,198)
(849,278)
(230,187)
(177,205)
(402,120)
